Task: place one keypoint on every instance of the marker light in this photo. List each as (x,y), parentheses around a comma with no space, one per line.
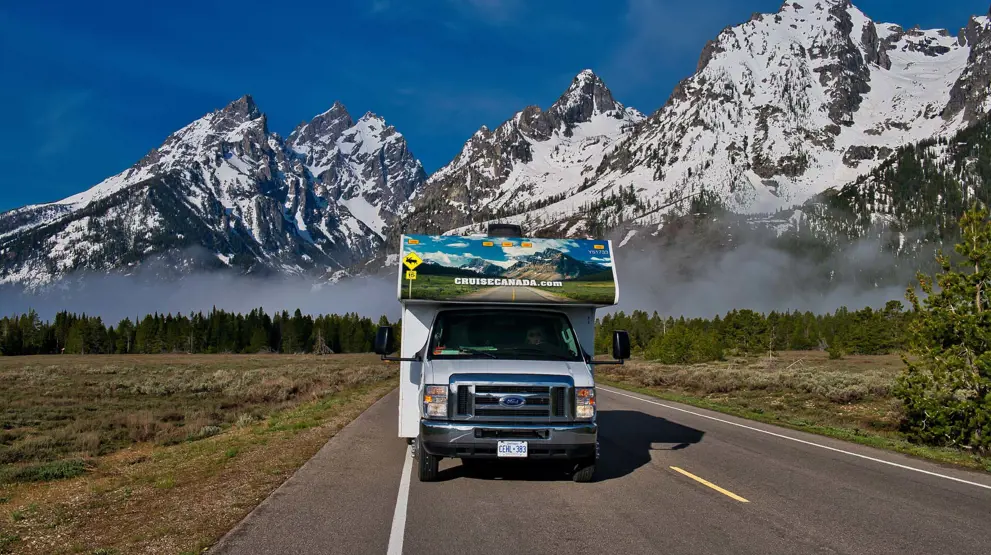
(435,400)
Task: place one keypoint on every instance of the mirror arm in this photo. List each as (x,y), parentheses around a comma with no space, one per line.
(401,359)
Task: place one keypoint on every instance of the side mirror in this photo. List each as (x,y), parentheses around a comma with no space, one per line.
(620,345)
(382,340)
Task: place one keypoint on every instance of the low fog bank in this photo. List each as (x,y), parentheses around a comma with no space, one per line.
(115,297)
(679,275)
(696,283)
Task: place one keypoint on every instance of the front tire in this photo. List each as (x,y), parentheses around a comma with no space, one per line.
(426,464)
(584,471)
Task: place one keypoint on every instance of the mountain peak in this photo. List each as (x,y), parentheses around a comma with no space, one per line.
(586,75)
(371,116)
(325,127)
(338,110)
(587,96)
(243,109)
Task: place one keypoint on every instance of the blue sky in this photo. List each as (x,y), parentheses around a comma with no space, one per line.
(457,251)
(90,87)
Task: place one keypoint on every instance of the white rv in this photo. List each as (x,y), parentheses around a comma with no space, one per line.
(496,348)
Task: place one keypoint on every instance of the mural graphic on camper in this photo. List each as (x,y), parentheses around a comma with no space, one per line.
(495,269)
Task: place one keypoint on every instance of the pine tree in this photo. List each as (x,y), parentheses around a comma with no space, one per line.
(947,390)
(76,341)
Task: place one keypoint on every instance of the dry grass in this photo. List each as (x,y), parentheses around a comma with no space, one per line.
(849,398)
(854,391)
(173,450)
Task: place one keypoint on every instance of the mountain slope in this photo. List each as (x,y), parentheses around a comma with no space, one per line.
(921,191)
(780,108)
(789,104)
(366,166)
(535,157)
(234,193)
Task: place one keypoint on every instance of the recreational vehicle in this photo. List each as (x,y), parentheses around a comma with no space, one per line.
(496,347)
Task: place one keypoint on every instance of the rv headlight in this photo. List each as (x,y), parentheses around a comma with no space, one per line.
(584,402)
(435,400)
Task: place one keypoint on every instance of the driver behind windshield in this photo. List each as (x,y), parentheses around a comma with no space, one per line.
(535,336)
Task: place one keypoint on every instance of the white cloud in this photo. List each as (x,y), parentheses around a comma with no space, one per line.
(458,245)
(502,263)
(452,260)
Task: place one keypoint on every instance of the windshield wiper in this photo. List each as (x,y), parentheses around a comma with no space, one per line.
(476,352)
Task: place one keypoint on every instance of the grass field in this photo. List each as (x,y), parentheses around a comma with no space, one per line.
(848,398)
(161,454)
(435,287)
(590,291)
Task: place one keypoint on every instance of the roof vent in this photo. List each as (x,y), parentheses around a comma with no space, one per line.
(505,230)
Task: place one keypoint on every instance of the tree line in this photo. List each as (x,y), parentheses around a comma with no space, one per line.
(665,339)
(867,331)
(215,332)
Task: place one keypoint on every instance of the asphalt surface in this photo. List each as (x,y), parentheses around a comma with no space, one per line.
(519,294)
(765,490)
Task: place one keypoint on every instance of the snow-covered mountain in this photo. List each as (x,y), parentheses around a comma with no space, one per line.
(224,191)
(783,111)
(366,166)
(781,108)
(534,158)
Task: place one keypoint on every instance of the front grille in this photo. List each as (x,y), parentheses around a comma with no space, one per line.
(532,401)
(511,412)
(548,401)
(560,401)
(537,401)
(507,389)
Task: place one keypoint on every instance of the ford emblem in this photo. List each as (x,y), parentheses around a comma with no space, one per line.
(512,401)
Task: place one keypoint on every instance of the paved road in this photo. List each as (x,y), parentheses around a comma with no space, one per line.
(519,294)
(765,490)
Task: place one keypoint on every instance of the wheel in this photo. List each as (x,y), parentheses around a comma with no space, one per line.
(584,470)
(426,464)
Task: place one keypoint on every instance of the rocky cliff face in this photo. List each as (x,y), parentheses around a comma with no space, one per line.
(364,165)
(534,158)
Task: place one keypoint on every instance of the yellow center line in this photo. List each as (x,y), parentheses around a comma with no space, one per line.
(710,484)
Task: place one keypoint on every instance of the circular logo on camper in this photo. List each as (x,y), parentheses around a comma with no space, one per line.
(512,401)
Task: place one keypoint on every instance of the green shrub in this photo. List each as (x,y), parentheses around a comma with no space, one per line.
(946,391)
(45,472)
(683,345)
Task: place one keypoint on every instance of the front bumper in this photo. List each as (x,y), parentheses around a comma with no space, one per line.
(480,439)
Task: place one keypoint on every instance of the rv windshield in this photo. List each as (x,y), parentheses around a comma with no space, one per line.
(504,334)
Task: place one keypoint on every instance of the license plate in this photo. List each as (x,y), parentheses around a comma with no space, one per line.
(512,449)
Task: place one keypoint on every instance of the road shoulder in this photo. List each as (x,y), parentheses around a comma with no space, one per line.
(340,501)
